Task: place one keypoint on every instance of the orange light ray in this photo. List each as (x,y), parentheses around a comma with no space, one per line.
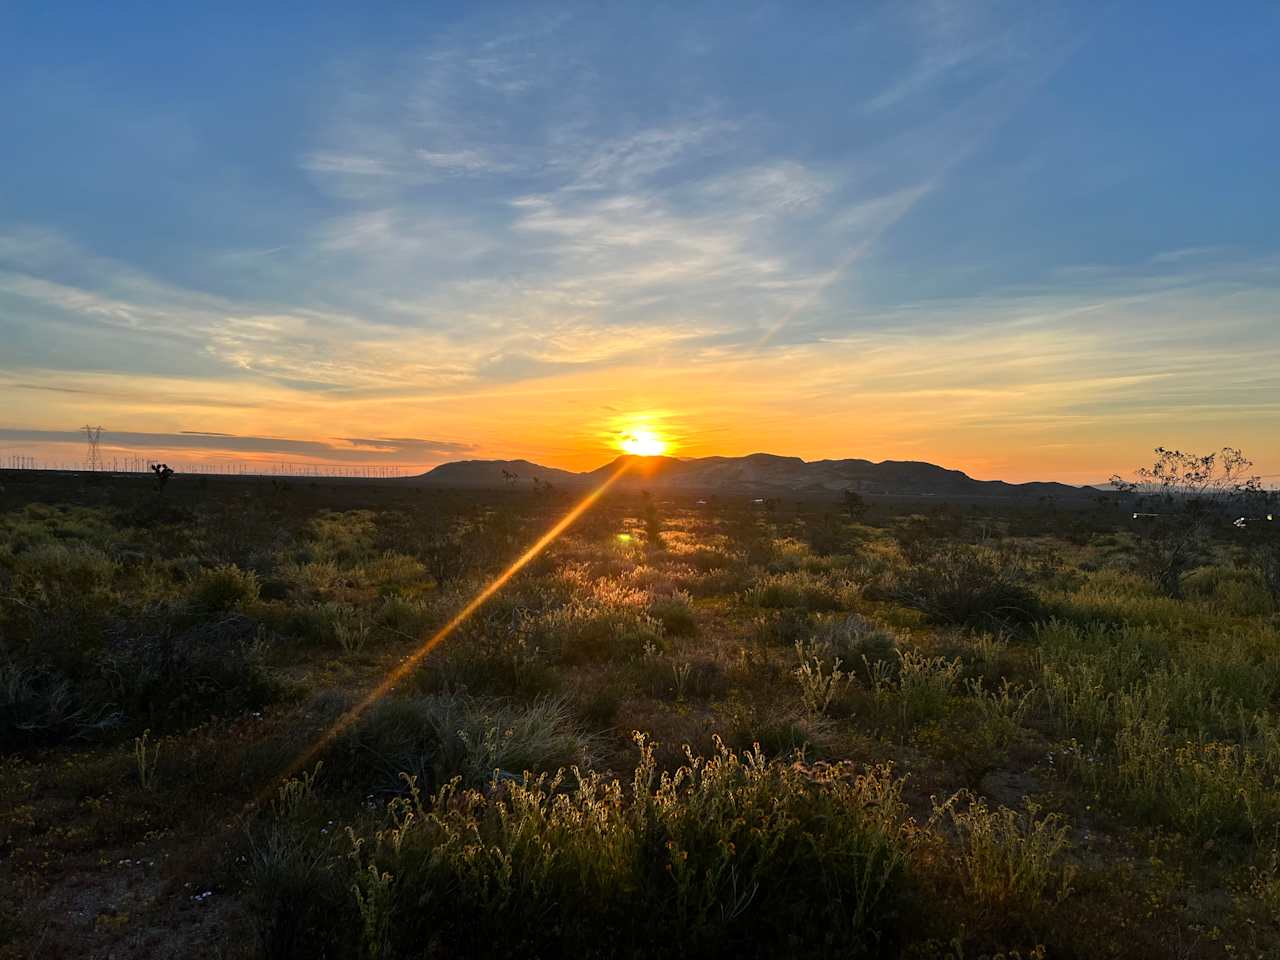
(395,676)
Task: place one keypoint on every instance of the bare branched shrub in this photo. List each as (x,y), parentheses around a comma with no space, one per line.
(1178,501)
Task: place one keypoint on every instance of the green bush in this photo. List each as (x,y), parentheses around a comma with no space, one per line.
(797,589)
(224,588)
(586,630)
(675,614)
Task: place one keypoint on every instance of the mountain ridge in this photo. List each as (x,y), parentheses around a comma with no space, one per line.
(756,474)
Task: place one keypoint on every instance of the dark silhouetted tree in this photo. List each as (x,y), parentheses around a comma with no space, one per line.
(163,472)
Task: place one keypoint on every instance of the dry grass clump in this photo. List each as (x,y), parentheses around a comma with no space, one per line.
(711,857)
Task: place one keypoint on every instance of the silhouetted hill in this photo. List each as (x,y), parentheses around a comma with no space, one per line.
(760,474)
(490,473)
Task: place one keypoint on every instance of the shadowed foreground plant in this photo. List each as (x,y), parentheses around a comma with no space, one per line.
(729,854)
(1008,861)
(146,755)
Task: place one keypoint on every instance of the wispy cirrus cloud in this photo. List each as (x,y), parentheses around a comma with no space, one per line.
(742,218)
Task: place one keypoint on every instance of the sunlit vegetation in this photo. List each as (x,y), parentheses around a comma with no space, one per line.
(812,729)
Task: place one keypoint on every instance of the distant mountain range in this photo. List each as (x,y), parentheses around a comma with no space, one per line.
(760,475)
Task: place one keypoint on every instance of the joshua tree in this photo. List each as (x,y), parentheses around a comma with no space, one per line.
(163,472)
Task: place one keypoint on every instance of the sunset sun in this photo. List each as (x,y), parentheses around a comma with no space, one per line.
(643,443)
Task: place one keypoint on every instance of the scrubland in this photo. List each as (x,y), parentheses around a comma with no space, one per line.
(685,729)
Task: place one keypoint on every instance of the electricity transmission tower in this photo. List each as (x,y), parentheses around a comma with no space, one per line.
(93,435)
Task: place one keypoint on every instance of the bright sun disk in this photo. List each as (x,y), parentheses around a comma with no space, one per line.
(643,443)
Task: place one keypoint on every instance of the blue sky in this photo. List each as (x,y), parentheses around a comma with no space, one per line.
(1028,240)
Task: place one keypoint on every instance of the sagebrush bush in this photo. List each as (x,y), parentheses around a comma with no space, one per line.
(856,641)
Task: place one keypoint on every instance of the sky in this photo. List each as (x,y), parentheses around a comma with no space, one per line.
(1028,241)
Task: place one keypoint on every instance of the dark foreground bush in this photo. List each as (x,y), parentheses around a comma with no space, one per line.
(967,586)
(173,681)
(729,855)
(40,706)
(437,738)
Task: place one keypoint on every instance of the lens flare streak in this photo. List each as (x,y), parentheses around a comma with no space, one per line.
(403,669)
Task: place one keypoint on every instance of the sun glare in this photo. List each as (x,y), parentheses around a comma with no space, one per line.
(643,443)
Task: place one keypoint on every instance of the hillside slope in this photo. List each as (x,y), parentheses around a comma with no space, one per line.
(759,474)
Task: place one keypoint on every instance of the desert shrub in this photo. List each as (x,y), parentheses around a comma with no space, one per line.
(393,573)
(296,887)
(669,678)
(1008,861)
(437,738)
(967,586)
(1001,712)
(346,538)
(857,642)
(166,681)
(784,627)
(720,582)
(57,569)
(403,617)
(788,555)
(1180,499)
(505,649)
(224,588)
(315,580)
(587,630)
(819,684)
(727,855)
(1173,733)
(707,559)
(797,589)
(925,686)
(351,628)
(987,656)
(1233,593)
(675,614)
(39,705)
(830,535)
(599,705)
